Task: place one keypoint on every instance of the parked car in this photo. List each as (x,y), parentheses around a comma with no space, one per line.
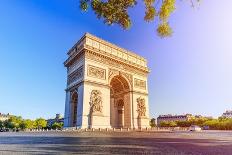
(194,128)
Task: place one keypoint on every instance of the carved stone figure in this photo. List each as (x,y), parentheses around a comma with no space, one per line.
(95,102)
(141,108)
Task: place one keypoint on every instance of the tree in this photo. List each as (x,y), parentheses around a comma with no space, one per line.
(13,122)
(152,122)
(40,123)
(213,124)
(27,124)
(57,125)
(8,124)
(116,12)
(172,124)
(183,123)
(164,124)
(1,124)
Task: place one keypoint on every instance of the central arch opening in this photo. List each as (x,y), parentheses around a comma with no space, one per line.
(120,111)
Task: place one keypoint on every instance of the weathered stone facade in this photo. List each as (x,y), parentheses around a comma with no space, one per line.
(106,86)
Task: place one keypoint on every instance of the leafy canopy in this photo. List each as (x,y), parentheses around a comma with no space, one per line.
(116,12)
(57,125)
(152,122)
(40,123)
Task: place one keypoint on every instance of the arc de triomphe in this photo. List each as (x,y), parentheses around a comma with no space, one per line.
(106,86)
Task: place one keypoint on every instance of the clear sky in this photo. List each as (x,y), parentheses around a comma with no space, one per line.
(191,72)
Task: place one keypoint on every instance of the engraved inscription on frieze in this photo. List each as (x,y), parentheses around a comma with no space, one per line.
(77,74)
(96,72)
(139,83)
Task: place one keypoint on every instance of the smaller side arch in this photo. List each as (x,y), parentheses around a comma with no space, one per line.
(74,104)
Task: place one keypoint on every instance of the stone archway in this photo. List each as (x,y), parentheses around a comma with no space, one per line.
(74,102)
(110,84)
(120,111)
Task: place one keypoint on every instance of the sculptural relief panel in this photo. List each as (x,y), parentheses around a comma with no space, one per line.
(139,83)
(141,107)
(96,72)
(95,102)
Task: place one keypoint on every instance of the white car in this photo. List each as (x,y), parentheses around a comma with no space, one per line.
(194,128)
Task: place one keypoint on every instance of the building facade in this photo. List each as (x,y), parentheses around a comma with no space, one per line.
(106,86)
(57,119)
(172,118)
(227,114)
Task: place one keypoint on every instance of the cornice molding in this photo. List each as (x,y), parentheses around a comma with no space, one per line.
(95,44)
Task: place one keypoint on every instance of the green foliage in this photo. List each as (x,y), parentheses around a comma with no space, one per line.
(213,124)
(1,124)
(168,124)
(173,124)
(152,122)
(40,123)
(164,30)
(28,124)
(8,124)
(219,124)
(57,125)
(116,12)
(150,12)
(13,122)
(183,123)
(16,122)
(167,7)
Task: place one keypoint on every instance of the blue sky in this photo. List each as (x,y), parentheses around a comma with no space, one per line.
(191,72)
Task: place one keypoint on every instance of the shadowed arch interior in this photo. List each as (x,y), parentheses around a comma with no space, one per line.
(119,102)
(74,100)
(118,84)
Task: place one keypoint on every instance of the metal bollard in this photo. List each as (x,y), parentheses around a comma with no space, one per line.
(92,129)
(99,129)
(120,129)
(107,129)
